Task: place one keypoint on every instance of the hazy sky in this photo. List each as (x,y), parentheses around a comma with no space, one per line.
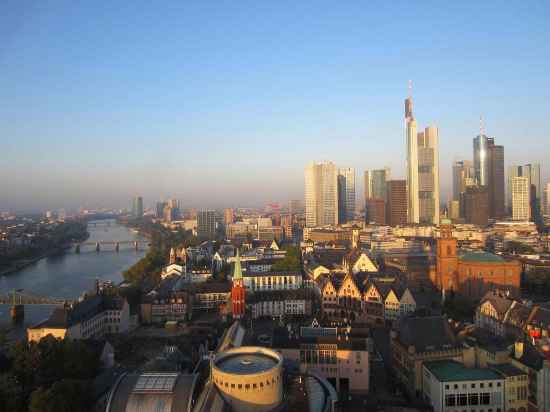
(223,103)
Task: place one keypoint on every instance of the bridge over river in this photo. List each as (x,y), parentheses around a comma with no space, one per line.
(110,245)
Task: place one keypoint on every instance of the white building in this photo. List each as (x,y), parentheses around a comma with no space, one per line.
(449,386)
(521,207)
(265,281)
(321,194)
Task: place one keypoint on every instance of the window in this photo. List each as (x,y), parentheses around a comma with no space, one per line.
(462,399)
(450,400)
(485,399)
(240,386)
(247,386)
(474,385)
(473,399)
(481,385)
(446,386)
(456,386)
(490,385)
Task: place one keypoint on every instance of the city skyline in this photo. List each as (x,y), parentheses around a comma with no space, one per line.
(103,132)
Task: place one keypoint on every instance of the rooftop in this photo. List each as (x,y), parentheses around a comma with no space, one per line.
(452,371)
(481,257)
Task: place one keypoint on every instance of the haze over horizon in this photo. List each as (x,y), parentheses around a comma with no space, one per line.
(223,105)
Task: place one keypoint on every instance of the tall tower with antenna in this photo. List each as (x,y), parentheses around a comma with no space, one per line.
(413,204)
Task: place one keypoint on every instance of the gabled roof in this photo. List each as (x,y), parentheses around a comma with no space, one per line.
(540,317)
(498,301)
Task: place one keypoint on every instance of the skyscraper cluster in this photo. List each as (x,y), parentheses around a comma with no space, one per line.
(329,194)
(478,186)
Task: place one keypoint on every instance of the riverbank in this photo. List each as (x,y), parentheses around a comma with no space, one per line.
(63,245)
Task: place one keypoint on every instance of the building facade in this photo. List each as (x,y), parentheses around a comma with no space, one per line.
(321,194)
(428,176)
(396,203)
(206,224)
(346,194)
(521,199)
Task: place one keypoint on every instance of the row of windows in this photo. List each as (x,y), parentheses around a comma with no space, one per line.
(321,356)
(247,386)
(472,399)
(474,385)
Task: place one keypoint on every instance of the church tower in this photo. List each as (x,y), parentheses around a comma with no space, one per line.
(238,291)
(447,258)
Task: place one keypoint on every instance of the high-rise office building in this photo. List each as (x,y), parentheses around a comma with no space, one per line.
(532,173)
(489,172)
(422,171)
(346,194)
(521,194)
(375,211)
(428,176)
(476,205)
(375,191)
(547,199)
(206,224)
(396,202)
(375,183)
(137,207)
(463,176)
(321,194)
(413,201)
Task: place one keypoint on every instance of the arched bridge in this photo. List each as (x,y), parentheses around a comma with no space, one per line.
(111,245)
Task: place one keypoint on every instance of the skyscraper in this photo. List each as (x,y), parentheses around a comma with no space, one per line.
(422,171)
(476,205)
(396,202)
(428,176)
(481,160)
(375,191)
(137,207)
(489,171)
(206,224)
(413,203)
(346,194)
(375,183)
(463,176)
(532,173)
(521,208)
(321,194)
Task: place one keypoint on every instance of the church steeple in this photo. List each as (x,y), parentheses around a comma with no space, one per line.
(238,304)
(237,271)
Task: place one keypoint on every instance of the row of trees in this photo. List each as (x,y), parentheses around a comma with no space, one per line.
(52,375)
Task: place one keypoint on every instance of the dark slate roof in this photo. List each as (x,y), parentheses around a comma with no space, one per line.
(68,315)
(330,258)
(518,314)
(210,287)
(531,357)
(282,340)
(279,295)
(426,333)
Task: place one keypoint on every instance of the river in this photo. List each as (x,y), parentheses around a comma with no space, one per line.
(70,274)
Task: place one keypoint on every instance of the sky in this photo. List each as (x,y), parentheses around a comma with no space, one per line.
(222,104)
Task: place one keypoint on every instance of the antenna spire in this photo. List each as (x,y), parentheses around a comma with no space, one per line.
(410,88)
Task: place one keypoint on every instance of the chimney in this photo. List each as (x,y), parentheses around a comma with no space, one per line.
(518,350)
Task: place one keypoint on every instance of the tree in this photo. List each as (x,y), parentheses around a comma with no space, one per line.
(291,262)
(63,396)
